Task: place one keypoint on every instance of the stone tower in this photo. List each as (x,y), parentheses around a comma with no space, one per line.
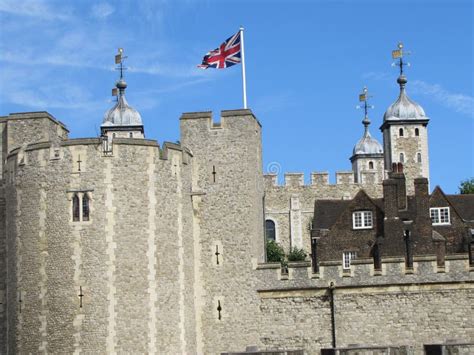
(367,155)
(405,135)
(227,196)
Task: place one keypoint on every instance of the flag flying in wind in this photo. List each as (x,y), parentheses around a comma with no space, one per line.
(228,54)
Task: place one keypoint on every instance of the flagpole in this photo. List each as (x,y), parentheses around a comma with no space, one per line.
(244,85)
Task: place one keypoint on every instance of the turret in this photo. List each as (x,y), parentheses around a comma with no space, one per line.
(122,120)
(367,155)
(405,132)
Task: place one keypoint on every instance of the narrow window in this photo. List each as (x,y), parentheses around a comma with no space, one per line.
(130,134)
(347,256)
(362,220)
(440,216)
(402,158)
(75,209)
(270,231)
(371,165)
(400,132)
(113,135)
(417,132)
(418,157)
(85,208)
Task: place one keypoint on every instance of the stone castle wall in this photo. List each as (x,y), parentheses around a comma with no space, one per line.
(131,259)
(291,206)
(228,220)
(391,308)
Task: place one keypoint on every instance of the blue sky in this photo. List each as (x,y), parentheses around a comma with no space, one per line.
(306,62)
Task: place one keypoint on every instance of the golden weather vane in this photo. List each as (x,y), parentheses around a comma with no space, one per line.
(398,54)
(119,58)
(364,97)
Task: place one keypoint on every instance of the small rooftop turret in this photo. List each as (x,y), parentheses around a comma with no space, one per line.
(367,154)
(122,120)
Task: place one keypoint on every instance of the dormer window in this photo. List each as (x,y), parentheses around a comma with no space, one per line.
(440,216)
(362,220)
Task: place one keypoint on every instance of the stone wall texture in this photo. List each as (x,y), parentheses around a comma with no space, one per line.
(171,259)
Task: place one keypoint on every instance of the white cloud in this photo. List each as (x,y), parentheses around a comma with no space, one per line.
(33,8)
(458,102)
(102,10)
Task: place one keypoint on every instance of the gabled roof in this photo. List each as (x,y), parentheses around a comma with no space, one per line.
(464,205)
(326,212)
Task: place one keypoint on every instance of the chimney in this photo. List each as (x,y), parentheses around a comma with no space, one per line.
(422,198)
(398,179)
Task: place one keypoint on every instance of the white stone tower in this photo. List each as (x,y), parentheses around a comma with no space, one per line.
(367,155)
(122,120)
(405,132)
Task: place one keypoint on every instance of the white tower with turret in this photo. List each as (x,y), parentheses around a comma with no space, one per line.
(405,131)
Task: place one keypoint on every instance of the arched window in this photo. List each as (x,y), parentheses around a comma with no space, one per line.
(418,157)
(85,207)
(270,232)
(75,209)
(402,158)
(113,135)
(400,132)
(371,165)
(417,132)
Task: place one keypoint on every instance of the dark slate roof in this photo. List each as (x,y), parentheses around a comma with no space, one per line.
(464,205)
(326,212)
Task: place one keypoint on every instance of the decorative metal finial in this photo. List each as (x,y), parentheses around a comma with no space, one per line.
(119,58)
(121,85)
(364,97)
(398,54)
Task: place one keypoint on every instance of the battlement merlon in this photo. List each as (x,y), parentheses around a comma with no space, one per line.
(363,274)
(24,128)
(84,142)
(343,178)
(226,117)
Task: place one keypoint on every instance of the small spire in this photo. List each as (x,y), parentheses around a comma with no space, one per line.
(398,54)
(364,97)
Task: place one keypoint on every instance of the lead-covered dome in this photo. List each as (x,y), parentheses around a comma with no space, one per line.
(122,114)
(367,145)
(404,109)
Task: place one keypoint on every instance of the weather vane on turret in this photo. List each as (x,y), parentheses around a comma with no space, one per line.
(398,54)
(364,97)
(121,84)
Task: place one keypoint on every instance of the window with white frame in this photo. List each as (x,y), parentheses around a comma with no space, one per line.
(347,256)
(440,215)
(362,220)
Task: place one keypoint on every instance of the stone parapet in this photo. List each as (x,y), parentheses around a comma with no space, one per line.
(362,274)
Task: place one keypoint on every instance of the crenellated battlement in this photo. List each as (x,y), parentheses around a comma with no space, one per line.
(363,274)
(318,179)
(226,119)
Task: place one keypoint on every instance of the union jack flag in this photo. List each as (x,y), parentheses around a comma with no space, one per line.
(226,55)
